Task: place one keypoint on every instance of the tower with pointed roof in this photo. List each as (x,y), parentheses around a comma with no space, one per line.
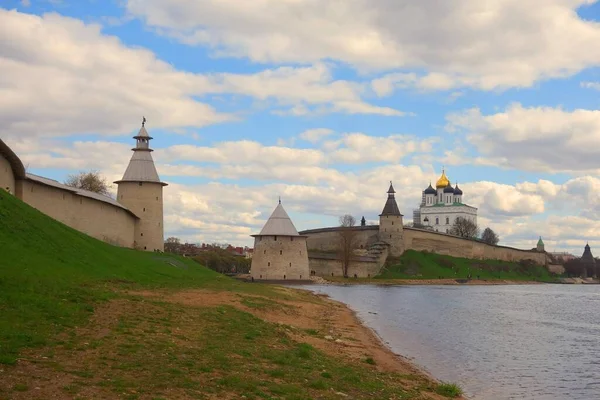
(141,191)
(391,229)
(588,262)
(540,245)
(280,253)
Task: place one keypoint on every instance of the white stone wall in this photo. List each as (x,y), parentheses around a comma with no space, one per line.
(7,177)
(145,199)
(446,216)
(280,258)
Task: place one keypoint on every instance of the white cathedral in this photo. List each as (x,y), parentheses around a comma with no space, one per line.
(441,206)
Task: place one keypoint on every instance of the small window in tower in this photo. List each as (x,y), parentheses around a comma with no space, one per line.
(284,277)
(261,277)
(141,234)
(275,238)
(290,264)
(291,239)
(268,264)
(437,221)
(392,222)
(447,221)
(280,252)
(144,247)
(265,252)
(156,198)
(140,183)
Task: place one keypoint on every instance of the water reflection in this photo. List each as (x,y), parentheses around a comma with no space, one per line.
(498,342)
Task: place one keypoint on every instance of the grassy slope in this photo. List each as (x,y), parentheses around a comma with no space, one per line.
(53,279)
(422,265)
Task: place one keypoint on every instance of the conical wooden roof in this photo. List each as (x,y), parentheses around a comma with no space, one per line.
(279,224)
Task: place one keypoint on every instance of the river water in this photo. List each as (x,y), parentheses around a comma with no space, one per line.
(497,342)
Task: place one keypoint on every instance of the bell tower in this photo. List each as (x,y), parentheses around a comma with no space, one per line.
(391,228)
(141,191)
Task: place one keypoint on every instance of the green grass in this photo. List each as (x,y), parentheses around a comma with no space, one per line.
(53,279)
(422,265)
(51,276)
(449,390)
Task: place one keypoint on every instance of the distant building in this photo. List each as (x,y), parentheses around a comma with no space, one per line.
(440,207)
(588,262)
(540,245)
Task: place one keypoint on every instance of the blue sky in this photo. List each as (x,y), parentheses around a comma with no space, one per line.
(320,102)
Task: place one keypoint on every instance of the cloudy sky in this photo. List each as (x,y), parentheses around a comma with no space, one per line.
(321,102)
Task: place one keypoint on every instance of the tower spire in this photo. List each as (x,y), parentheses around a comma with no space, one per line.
(141,166)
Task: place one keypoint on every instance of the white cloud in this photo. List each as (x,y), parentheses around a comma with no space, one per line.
(590,85)
(534,139)
(357,148)
(483,44)
(315,135)
(83,81)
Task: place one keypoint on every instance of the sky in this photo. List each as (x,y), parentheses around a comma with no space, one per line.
(321,102)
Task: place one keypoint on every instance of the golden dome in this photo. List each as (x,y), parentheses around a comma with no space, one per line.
(443,181)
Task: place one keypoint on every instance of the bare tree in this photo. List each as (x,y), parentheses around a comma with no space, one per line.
(489,236)
(347,220)
(91,181)
(347,238)
(172,245)
(464,227)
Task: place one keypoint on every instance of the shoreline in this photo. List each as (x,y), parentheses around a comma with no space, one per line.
(298,316)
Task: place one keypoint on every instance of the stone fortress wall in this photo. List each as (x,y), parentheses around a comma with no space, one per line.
(323,243)
(137,222)
(375,242)
(100,219)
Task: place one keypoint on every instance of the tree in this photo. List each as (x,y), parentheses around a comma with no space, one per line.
(489,236)
(172,245)
(464,227)
(91,181)
(347,220)
(347,241)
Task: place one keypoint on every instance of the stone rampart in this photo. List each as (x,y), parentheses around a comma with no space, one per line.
(101,220)
(441,243)
(328,239)
(324,264)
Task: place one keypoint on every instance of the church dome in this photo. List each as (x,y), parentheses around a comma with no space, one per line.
(457,191)
(443,181)
(449,189)
(430,190)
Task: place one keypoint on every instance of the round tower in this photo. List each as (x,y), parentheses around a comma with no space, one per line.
(141,191)
(279,251)
(391,228)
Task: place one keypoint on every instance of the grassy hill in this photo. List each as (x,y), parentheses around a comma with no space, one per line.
(82,319)
(422,265)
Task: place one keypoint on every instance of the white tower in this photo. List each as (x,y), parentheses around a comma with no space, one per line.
(279,251)
(141,191)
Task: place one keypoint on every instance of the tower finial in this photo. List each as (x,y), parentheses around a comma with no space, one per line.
(279,199)
(143,121)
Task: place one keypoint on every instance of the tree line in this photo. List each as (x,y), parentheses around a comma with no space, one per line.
(212,256)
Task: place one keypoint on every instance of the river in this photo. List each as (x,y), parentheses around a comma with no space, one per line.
(497,342)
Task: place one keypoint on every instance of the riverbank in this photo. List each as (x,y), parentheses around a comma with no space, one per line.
(198,343)
(391,282)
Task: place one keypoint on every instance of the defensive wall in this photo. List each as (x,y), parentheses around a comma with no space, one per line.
(93,214)
(323,245)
